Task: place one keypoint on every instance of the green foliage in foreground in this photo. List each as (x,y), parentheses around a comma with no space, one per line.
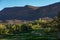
(36,30)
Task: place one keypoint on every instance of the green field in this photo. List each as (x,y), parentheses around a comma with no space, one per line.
(34,35)
(37,30)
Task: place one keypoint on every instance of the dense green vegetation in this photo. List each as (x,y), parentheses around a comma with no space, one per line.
(37,30)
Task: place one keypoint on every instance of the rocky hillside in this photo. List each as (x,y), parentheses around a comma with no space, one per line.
(29,12)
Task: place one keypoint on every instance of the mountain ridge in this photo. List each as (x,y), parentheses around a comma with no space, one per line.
(29,12)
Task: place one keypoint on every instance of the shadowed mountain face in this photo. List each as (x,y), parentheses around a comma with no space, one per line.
(29,12)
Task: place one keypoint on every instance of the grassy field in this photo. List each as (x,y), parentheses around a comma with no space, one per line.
(32,31)
(34,35)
